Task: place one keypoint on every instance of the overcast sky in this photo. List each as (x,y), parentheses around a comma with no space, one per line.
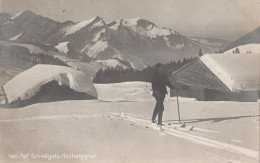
(226,19)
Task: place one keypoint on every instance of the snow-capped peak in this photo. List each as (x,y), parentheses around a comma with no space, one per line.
(154,32)
(130,22)
(78,26)
(143,27)
(133,23)
(99,23)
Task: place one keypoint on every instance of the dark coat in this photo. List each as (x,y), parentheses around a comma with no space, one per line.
(159,83)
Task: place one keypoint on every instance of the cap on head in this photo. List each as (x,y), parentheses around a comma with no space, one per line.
(158,66)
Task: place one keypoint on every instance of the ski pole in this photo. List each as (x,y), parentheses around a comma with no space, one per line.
(178,107)
(4,94)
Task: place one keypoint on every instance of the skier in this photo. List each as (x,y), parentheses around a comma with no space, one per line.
(159,82)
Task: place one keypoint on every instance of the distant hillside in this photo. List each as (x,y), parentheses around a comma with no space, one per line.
(245,49)
(250,38)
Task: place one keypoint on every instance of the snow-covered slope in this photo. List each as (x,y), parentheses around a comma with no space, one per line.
(127,91)
(62,47)
(15,37)
(209,43)
(112,63)
(130,91)
(33,49)
(248,48)
(76,27)
(30,56)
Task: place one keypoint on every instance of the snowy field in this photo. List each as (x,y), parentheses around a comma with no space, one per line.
(117,128)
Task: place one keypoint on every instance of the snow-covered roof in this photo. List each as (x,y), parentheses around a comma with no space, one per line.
(239,72)
(28,83)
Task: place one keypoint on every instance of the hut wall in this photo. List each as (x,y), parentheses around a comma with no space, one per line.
(243,96)
(190,92)
(212,95)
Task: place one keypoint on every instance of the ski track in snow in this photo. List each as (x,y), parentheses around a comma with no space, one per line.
(205,130)
(75,116)
(188,136)
(142,121)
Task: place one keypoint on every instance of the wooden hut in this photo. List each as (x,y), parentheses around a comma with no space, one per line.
(215,77)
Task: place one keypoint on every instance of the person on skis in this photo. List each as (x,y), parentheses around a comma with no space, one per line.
(159,83)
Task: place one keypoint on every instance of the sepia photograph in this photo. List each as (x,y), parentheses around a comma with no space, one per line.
(129,81)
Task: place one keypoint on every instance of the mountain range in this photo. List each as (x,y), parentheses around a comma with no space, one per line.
(135,43)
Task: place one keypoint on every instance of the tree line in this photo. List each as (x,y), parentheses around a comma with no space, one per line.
(116,75)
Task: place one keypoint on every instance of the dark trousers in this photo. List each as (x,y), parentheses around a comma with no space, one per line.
(159,108)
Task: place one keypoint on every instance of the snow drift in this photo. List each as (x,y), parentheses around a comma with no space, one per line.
(239,72)
(42,77)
